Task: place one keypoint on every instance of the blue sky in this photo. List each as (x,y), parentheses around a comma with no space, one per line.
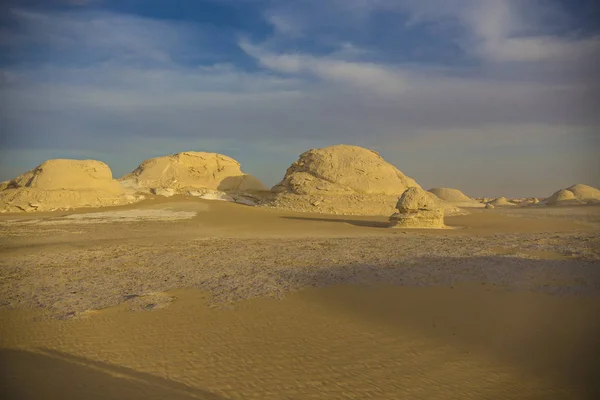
(494,97)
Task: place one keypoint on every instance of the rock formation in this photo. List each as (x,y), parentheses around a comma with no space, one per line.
(416,209)
(563,197)
(456,197)
(574,195)
(501,201)
(63,184)
(489,206)
(342,179)
(190,171)
(584,192)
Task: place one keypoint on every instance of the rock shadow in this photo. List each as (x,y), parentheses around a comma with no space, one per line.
(355,222)
(539,315)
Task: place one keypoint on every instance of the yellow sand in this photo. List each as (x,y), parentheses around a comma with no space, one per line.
(336,343)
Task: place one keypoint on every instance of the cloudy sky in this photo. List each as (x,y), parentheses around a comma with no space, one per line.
(494,97)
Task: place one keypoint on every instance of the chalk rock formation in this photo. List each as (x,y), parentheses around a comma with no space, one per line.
(189,171)
(416,209)
(63,184)
(489,206)
(342,179)
(563,197)
(456,197)
(585,193)
(574,195)
(501,201)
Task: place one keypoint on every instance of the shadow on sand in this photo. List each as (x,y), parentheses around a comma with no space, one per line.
(48,374)
(355,222)
(539,315)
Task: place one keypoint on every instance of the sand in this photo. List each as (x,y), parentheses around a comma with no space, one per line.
(240,302)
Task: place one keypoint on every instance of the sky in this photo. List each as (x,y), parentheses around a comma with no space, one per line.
(493,97)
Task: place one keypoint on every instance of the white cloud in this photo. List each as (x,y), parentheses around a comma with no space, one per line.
(369,76)
(139,99)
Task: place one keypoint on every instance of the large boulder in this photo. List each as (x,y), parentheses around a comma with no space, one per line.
(416,209)
(62,184)
(342,179)
(190,171)
(456,197)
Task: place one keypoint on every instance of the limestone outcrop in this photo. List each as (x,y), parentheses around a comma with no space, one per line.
(62,184)
(574,195)
(343,179)
(416,209)
(191,172)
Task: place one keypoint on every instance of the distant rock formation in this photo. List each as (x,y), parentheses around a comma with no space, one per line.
(343,179)
(190,171)
(456,197)
(416,209)
(63,184)
(578,194)
(502,202)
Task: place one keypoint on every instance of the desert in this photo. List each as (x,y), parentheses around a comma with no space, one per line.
(183,296)
(296,200)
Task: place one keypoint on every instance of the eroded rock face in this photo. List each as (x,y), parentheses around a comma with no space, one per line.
(188,171)
(342,179)
(416,209)
(63,184)
(489,206)
(343,169)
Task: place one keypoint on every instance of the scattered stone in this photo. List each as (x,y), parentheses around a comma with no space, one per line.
(209,194)
(165,192)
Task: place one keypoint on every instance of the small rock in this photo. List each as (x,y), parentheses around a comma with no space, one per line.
(166,192)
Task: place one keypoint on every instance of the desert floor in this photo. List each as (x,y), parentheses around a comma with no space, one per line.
(182,298)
